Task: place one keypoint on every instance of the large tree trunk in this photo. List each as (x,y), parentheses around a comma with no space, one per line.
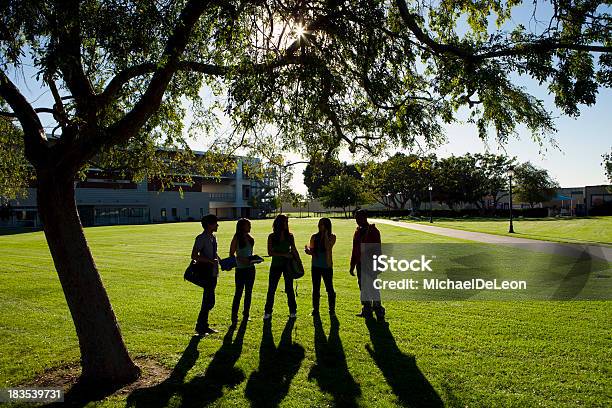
(104,357)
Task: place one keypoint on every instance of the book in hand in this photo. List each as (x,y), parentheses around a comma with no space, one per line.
(227,264)
(255,259)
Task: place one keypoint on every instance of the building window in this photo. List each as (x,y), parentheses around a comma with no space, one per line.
(121,215)
(600,199)
(174,212)
(187,212)
(23,215)
(163,213)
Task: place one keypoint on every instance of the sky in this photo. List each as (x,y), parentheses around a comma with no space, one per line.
(576,161)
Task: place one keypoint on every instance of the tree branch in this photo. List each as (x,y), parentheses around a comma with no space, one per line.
(115,85)
(60,112)
(36,110)
(150,101)
(69,54)
(119,80)
(33,132)
(543,45)
(410,20)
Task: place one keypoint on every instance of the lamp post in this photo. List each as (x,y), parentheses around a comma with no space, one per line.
(399,201)
(389,204)
(430,205)
(510,174)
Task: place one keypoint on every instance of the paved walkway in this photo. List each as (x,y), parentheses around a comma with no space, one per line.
(576,250)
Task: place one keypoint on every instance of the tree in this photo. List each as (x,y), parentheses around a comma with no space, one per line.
(458,179)
(343,191)
(399,179)
(318,172)
(471,179)
(284,193)
(494,169)
(367,74)
(607,163)
(298,200)
(533,185)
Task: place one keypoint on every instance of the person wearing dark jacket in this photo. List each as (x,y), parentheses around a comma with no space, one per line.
(369,235)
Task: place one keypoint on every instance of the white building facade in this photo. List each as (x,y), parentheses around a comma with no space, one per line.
(104,200)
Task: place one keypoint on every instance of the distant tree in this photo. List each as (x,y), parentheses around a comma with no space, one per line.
(343,192)
(283,191)
(308,198)
(607,163)
(494,168)
(458,179)
(320,171)
(287,195)
(400,179)
(533,185)
(275,203)
(298,201)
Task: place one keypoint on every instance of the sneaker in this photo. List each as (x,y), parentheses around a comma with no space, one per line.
(267,316)
(292,315)
(205,332)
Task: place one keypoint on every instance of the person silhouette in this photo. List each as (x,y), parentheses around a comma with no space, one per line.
(320,248)
(242,246)
(366,242)
(204,252)
(281,247)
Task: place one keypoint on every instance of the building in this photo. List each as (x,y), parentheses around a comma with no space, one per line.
(103,199)
(587,200)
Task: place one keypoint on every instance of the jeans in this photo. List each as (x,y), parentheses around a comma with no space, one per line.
(275,274)
(370,297)
(208,302)
(244,278)
(327,274)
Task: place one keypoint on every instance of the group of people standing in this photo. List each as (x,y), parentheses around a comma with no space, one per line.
(281,247)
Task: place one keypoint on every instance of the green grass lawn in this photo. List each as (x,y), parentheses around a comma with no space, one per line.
(576,230)
(452,353)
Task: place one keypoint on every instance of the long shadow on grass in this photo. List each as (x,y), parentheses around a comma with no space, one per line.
(202,389)
(268,385)
(400,370)
(330,370)
(157,396)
